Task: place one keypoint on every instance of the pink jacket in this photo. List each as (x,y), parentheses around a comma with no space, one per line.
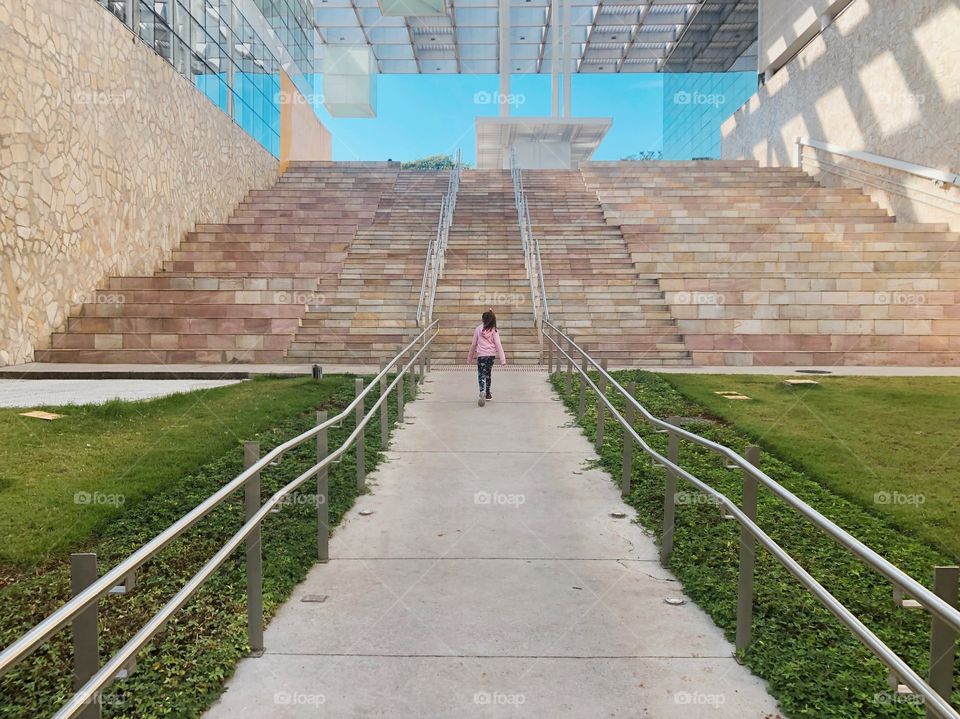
(486,344)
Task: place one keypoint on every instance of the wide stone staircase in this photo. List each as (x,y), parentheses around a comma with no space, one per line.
(764,266)
(484,268)
(592,288)
(233,292)
(362,315)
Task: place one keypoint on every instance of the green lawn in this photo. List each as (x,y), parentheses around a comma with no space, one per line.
(60,481)
(891,444)
(182,671)
(814,665)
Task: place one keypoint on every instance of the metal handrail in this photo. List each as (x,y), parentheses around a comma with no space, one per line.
(530,245)
(428,260)
(930,173)
(25,645)
(941,609)
(436,250)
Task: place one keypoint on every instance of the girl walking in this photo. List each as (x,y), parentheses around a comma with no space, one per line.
(486,346)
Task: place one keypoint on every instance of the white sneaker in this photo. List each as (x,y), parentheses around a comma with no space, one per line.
(481,400)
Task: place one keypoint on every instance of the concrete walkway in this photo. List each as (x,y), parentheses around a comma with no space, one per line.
(491,580)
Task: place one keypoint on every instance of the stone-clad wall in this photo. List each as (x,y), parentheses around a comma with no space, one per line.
(883,78)
(107,157)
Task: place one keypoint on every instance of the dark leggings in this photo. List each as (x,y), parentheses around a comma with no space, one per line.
(484,373)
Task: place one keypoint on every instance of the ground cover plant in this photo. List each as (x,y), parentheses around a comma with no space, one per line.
(814,666)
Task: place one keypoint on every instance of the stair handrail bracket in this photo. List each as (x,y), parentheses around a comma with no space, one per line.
(413,355)
(437,248)
(530,245)
(940,177)
(945,617)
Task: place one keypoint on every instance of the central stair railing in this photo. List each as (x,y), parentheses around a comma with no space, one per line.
(934,692)
(437,249)
(530,244)
(81,611)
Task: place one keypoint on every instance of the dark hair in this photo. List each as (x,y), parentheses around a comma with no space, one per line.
(489,320)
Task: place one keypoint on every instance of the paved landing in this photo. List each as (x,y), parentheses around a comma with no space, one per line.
(56,392)
(491,580)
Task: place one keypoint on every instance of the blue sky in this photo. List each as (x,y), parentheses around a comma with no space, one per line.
(421,115)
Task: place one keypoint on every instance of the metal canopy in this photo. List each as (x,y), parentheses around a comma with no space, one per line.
(606,36)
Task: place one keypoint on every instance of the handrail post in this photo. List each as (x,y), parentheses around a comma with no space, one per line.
(423,360)
(412,381)
(361,440)
(85,630)
(582,405)
(251,503)
(670,495)
(568,380)
(601,407)
(627,474)
(943,638)
(748,553)
(323,493)
(384,410)
(400,392)
(549,348)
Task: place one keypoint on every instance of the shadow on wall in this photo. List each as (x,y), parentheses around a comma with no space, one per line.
(884,78)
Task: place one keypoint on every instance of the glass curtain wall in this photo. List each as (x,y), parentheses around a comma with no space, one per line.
(694,108)
(213,45)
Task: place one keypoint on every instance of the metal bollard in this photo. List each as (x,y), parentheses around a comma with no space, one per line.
(670,495)
(601,407)
(384,410)
(86,639)
(251,504)
(582,405)
(943,638)
(748,553)
(361,439)
(323,494)
(628,445)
